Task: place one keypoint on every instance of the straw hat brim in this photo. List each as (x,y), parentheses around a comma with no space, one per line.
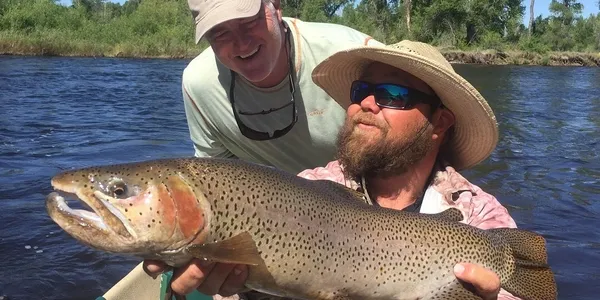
(475,132)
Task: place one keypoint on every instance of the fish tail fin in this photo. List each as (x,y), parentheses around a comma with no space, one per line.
(532,279)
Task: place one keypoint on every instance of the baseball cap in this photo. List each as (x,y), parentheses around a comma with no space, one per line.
(210,13)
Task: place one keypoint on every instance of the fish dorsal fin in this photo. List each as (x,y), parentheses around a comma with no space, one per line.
(451,214)
(239,249)
(342,190)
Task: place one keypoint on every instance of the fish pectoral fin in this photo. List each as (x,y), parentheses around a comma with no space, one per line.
(451,214)
(239,249)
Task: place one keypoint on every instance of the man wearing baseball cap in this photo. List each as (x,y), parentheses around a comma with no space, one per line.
(250,94)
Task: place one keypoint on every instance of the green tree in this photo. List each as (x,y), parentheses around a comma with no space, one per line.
(165,27)
(559,34)
(566,10)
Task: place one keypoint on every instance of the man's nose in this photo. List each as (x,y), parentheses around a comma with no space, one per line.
(242,41)
(369,104)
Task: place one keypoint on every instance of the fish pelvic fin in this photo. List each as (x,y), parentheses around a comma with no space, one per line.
(532,279)
(239,249)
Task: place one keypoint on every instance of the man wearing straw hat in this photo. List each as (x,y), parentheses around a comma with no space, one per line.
(412,123)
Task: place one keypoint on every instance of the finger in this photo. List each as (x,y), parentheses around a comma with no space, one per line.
(485,282)
(189,277)
(153,267)
(213,282)
(235,281)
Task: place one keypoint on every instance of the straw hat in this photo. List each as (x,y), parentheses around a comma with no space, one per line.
(475,132)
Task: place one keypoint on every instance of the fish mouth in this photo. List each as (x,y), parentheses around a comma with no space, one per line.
(102,221)
(85,217)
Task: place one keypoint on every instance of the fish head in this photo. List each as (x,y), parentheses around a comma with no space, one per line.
(147,209)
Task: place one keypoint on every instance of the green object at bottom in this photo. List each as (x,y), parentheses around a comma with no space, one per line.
(166,278)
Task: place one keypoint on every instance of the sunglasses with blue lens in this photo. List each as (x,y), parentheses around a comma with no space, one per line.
(390,95)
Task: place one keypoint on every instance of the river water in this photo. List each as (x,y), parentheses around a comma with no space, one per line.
(59,113)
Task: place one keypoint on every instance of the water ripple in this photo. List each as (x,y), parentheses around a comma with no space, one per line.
(62,113)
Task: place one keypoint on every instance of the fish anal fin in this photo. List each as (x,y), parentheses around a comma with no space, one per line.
(239,249)
(451,214)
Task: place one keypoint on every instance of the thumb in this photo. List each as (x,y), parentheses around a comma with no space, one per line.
(485,282)
(154,268)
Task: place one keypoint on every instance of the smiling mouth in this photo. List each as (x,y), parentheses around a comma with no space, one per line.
(251,54)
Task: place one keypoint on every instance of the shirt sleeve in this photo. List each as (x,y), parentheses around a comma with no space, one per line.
(487,212)
(206,144)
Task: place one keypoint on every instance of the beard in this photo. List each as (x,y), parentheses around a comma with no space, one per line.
(384,156)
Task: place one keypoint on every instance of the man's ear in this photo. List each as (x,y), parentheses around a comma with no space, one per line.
(444,119)
(277,5)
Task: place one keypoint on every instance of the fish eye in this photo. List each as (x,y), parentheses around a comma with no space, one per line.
(117,188)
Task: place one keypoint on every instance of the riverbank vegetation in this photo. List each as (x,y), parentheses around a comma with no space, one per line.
(470,31)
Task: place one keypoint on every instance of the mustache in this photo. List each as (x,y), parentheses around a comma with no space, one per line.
(367,119)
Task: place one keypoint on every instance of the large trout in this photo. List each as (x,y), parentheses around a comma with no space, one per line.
(301,238)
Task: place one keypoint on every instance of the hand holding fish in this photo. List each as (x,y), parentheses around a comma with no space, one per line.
(485,282)
(209,279)
(228,279)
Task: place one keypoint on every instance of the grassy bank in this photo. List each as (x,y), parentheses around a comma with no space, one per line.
(51,43)
(467,30)
(516,57)
(55,43)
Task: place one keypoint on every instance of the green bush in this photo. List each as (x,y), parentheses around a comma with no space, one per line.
(165,27)
(533,45)
(492,40)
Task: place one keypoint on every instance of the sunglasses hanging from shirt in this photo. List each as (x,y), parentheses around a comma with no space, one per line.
(261,135)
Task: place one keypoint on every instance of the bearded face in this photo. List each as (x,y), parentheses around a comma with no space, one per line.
(378,151)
